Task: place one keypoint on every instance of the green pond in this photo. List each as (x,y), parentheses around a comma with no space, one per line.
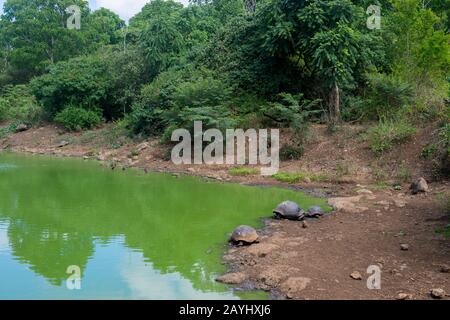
(133,235)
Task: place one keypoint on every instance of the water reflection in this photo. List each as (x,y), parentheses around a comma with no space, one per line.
(133,235)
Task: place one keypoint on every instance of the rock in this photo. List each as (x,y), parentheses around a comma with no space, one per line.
(62,144)
(232,278)
(445,269)
(404,296)
(347,204)
(420,185)
(244,234)
(355,275)
(437,293)
(292,286)
(404,247)
(305,225)
(21,127)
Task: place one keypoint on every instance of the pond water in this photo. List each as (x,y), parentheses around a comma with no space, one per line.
(132,235)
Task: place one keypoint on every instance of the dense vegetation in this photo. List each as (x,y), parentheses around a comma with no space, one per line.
(229,63)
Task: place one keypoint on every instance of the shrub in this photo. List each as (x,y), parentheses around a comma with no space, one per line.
(291,152)
(109,79)
(354,108)
(387,133)
(155,99)
(178,98)
(387,95)
(290,111)
(75,118)
(19,105)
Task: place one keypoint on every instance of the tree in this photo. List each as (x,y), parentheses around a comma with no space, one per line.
(35,34)
(325,36)
(103,26)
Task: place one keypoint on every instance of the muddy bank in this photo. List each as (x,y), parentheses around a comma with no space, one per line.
(329,257)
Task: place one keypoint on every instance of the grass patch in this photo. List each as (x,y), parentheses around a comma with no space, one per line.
(378,173)
(343,169)
(388,133)
(404,174)
(243,171)
(380,186)
(445,231)
(11,128)
(429,151)
(296,177)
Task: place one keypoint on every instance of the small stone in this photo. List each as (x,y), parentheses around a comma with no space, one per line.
(355,275)
(404,247)
(232,278)
(437,293)
(305,225)
(404,296)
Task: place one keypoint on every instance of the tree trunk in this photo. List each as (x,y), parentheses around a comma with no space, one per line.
(334,105)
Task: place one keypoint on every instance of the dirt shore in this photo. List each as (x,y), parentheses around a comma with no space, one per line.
(374,224)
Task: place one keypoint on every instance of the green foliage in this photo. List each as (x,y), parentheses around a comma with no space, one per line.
(421,54)
(35,35)
(429,151)
(202,99)
(213,61)
(389,132)
(242,171)
(354,107)
(109,80)
(290,111)
(296,177)
(291,152)
(76,119)
(19,105)
(80,81)
(161,38)
(387,95)
(178,98)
